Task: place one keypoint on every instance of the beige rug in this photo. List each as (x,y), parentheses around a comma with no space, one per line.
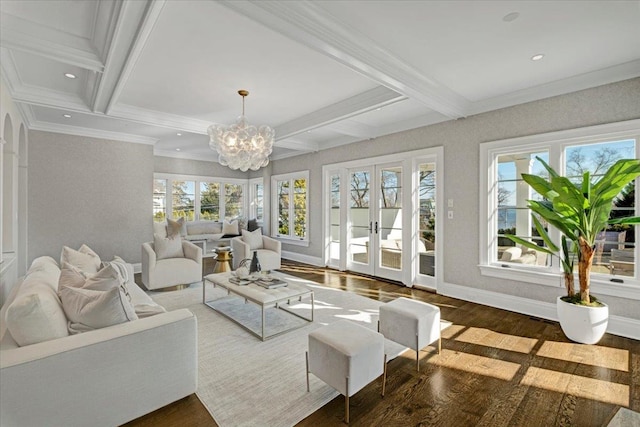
(246,382)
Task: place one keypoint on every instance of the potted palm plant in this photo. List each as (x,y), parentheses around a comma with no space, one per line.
(580,213)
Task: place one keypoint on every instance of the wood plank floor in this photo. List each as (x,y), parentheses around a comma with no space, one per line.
(497,368)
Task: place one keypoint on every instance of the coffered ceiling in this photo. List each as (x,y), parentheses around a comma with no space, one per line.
(322,73)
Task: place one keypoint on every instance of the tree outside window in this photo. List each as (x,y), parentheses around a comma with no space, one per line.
(183,198)
(210,201)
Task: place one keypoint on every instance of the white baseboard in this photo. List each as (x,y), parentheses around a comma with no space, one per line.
(618,325)
(137,267)
(307,259)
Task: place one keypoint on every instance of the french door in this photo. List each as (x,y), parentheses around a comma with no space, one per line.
(374,221)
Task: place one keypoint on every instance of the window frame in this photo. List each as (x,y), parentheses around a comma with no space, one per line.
(170,178)
(555,143)
(291,177)
(253,199)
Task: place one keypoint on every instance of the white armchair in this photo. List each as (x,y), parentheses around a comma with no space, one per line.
(163,273)
(268,255)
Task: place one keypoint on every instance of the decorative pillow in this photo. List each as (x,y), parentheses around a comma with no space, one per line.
(252,225)
(36,315)
(176,228)
(71,276)
(230,228)
(84,258)
(89,309)
(242,223)
(253,239)
(160,228)
(109,277)
(511,254)
(167,248)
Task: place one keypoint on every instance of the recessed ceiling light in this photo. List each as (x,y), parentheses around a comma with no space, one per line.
(510,17)
(177,149)
(378,109)
(68,116)
(308,131)
(70,75)
(179,134)
(537,57)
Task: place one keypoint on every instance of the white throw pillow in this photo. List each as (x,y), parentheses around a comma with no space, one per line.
(253,239)
(36,315)
(71,276)
(160,228)
(89,309)
(84,258)
(167,248)
(230,228)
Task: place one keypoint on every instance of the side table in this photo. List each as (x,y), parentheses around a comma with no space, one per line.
(223,259)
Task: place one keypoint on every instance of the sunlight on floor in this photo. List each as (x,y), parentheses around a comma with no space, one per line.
(476,364)
(452,331)
(604,357)
(489,338)
(575,385)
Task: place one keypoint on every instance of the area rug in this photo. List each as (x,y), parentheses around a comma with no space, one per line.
(244,381)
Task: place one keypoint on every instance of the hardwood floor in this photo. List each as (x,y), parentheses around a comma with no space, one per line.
(496,368)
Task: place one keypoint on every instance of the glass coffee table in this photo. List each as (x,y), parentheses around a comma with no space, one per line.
(278,298)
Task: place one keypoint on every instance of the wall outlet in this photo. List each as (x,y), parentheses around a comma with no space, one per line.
(450,214)
(450,203)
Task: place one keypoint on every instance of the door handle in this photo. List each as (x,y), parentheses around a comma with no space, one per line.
(370,226)
(376,227)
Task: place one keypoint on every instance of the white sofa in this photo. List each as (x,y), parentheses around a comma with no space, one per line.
(104,377)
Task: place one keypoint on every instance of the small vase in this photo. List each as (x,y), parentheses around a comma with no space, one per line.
(255,264)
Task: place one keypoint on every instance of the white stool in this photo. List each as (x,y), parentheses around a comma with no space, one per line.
(346,356)
(415,324)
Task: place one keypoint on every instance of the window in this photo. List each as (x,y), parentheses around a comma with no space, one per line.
(571,153)
(159,199)
(210,201)
(198,198)
(183,199)
(290,206)
(233,201)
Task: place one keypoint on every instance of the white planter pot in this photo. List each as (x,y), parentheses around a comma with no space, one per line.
(582,324)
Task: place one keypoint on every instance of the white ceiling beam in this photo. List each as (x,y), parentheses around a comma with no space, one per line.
(358,104)
(351,128)
(136,19)
(309,24)
(294,144)
(20,34)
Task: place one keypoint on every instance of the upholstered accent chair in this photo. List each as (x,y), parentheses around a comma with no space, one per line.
(269,250)
(160,271)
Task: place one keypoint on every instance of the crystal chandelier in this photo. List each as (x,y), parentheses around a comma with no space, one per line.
(241,145)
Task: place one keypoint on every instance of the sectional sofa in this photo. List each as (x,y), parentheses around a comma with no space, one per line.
(102,377)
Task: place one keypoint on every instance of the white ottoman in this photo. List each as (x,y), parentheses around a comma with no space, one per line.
(415,324)
(346,356)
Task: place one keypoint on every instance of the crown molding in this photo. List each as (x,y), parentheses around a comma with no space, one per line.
(374,98)
(160,119)
(44,97)
(309,24)
(589,80)
(20,34)
(185,155)
(92,133)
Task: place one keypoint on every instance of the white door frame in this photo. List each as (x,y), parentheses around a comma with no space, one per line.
(410,160)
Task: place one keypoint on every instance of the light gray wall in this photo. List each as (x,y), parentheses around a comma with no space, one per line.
(88,190)
(195,167)
(461,140)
